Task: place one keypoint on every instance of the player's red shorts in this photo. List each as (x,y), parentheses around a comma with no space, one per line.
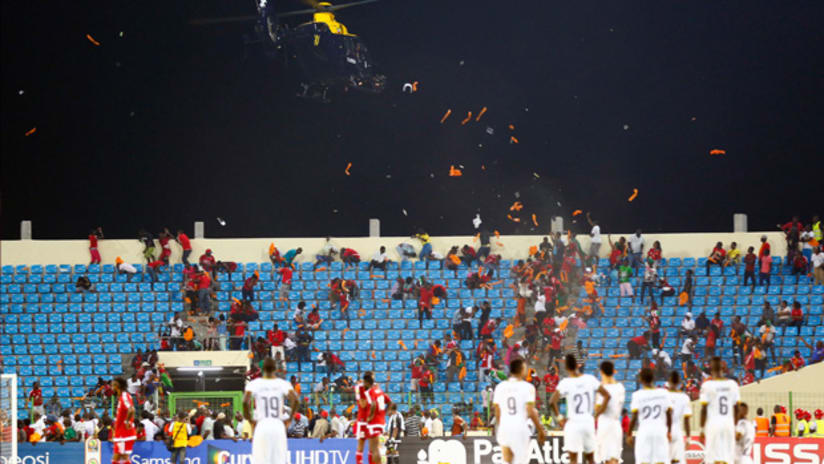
(123,447)
(364,431)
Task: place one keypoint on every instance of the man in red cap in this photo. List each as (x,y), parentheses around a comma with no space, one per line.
(802,427)
(817,426)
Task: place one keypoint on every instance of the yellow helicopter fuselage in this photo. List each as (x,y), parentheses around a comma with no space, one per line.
(328,18)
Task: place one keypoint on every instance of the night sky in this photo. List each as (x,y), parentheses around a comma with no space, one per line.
(169,123)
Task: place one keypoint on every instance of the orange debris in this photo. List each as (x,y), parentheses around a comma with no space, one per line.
(400,342)
(31,131)
(634,194)
(534,220)
(718,152)
(511,127)
(414,86)
(577,212)
(91,39)
(446,115)
(512,139)
(517,206)
(347,169)
(513,219)
(467,119)
(453,172)
(481,113)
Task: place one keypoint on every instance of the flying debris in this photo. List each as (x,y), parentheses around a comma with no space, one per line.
(574,213)
(21,92)
(477,221)
(454,172)
(446,115)
(467,119)
(512,139)
(221,221)
(490,130)
(347,169)
(31,131)
(481,113)
(404,212)
(536,175)
(626,126)
(91,39)
(716,151)
(634,194)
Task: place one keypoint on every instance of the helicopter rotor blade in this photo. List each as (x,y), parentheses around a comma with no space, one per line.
(297,12)
(228,19)
(312,3)
(347,5)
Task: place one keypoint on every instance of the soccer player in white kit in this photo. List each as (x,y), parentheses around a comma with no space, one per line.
(744,436)
(579,425)
(609,437)
(652,410)
(514,403)
(719,403)
(681,414)
(270,396)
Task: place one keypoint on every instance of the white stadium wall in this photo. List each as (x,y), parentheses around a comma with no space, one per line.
(14,252)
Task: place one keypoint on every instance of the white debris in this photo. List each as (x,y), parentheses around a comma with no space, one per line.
(404,212)
(477,221)
(490,130)
(221,221)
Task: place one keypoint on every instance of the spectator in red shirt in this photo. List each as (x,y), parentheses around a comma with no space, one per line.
(313,320)
(797,361)
(712,336)
(717,256)
(636,344)
(183,240)
(799,266)
(655,253)
(165,249)
(285,281)
(749,266)
(207,261)
(766,267)
(765,247)
(797,318)
(717,322)
(94,236)
(425,302)
(550,381)
(239,331)
(655,327)
(36,399)
(349,256)
(204,291)
(276,337)
(249,287)
(792,231)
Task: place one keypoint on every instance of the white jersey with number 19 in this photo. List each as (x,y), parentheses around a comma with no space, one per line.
(269,445)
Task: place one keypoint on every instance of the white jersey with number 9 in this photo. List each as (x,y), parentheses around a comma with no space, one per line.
(512,396)
(270,397)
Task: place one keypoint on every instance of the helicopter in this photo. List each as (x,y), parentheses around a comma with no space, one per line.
(327,55)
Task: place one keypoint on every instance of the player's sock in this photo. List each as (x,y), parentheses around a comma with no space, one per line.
(359,457)
(369,457)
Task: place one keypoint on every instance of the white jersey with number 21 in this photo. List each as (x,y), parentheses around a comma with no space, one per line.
(270,398)
(579,393)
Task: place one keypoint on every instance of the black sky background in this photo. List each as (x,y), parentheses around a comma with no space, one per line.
(169,124)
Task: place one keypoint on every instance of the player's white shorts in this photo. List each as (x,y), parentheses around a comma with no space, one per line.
(579,437)
(651,446)
(677,448)
(516,438)
(743,460)
(269,443)
(608,439)
(720,443)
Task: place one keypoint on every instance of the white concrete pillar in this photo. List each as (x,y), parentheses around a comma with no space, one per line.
(557,224)
(25,230)
(374,227)
(739,222)
(199,229)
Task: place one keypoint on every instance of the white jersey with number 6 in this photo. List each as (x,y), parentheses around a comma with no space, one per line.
(270,397)
(579,393)
(720,396)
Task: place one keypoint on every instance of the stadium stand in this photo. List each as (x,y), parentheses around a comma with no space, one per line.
(66,339)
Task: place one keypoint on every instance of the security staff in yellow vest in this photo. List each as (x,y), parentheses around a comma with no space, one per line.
(779,423)
(816,228)
(801,426)
(817,426)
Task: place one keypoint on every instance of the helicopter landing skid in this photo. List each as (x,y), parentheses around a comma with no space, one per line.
(314,92)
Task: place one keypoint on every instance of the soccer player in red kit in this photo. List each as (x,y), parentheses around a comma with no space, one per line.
(124,430)
(362,399)
(376,422)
